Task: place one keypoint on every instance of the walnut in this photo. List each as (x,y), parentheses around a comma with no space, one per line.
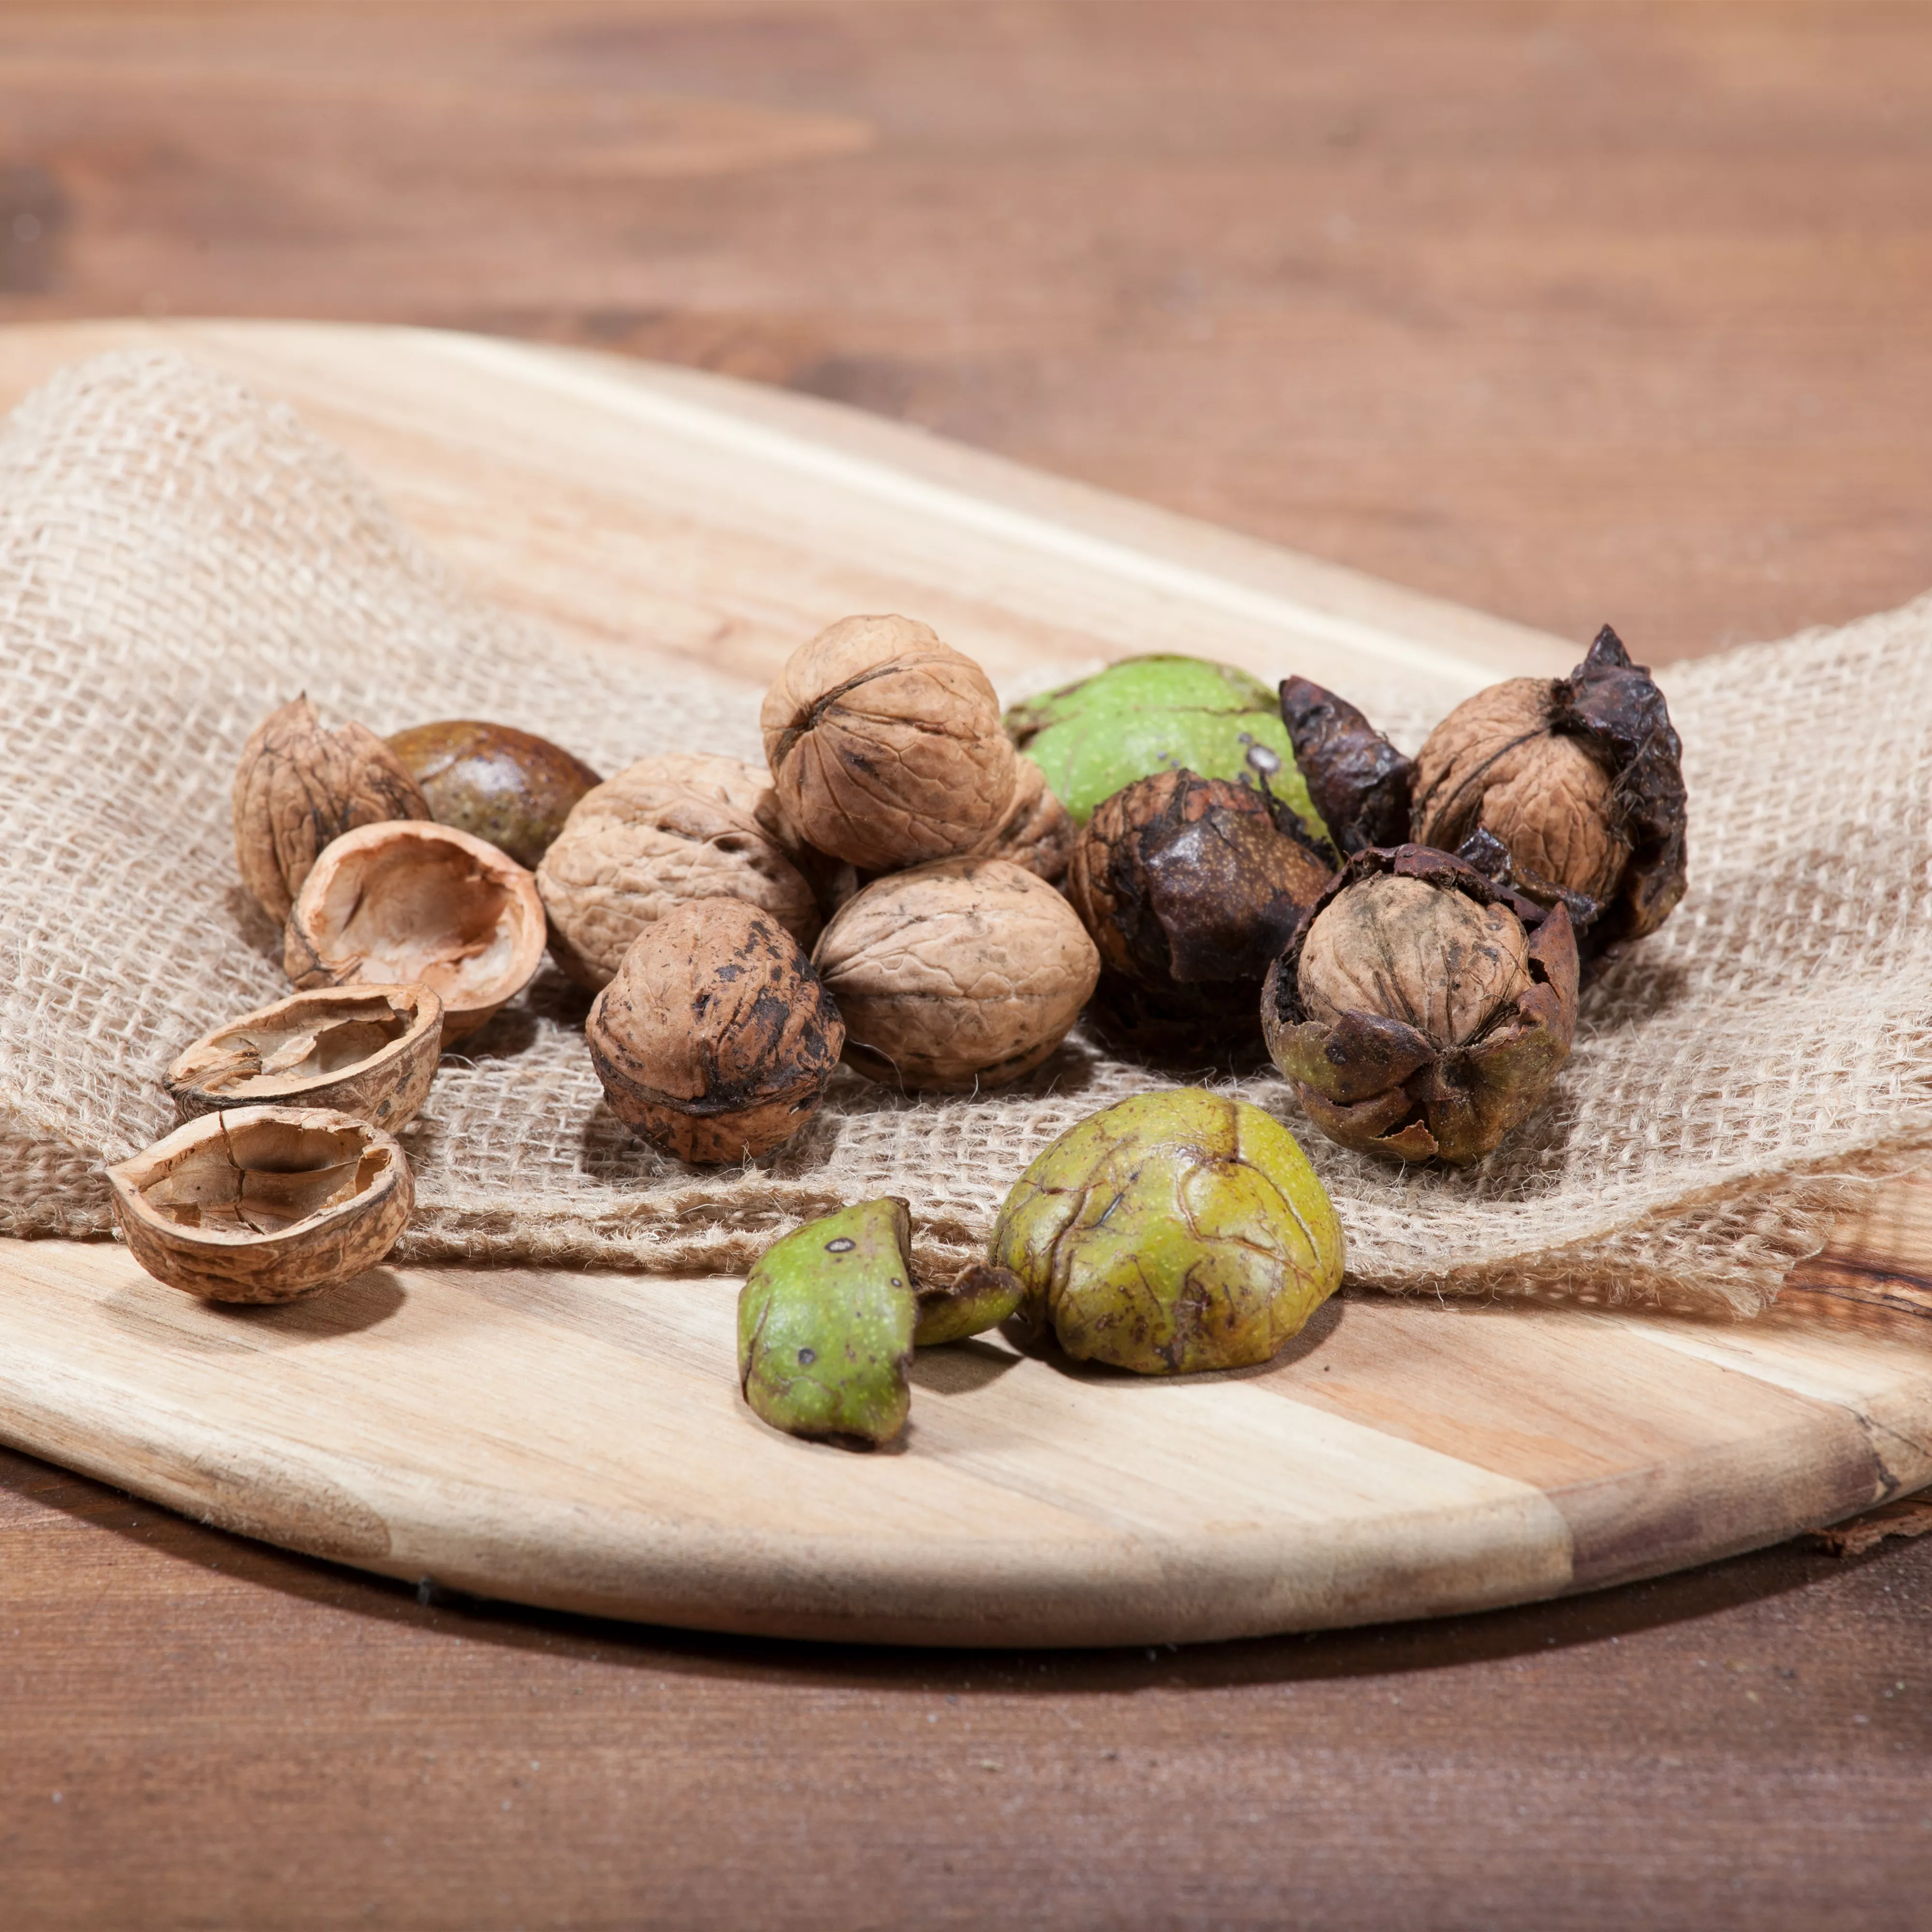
(716,1039)
(509,786)
(1190,888)
(262,1204)
(368,1051)
(960,975)
(1423,1009)
(298,786)
(404,904)
(1036,831)
(885,746)
(664,832)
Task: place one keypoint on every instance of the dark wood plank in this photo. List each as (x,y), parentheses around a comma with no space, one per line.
(1571,312)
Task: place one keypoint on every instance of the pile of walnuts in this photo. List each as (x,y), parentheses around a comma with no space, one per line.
(897,889)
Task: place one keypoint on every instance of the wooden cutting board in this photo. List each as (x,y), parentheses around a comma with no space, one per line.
(577,1440)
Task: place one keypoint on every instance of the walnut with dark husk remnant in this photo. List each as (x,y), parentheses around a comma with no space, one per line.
(1423,1009)
(715,1040)
(1190,889)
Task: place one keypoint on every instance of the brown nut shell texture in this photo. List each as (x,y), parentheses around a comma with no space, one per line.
(1037,831)
(1190,889)
(715,1039)
(263,1203)
(368,1051)
(963,974)
(406,903)
(299,786)
(885,746)
(664,832)
(495,782)
(1422,1009)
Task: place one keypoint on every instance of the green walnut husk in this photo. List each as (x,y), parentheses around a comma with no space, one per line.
(1156,714)
(828,1318)
(1171,1232)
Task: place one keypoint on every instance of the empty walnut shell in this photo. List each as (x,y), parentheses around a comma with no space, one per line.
(1422,1009)
(263,1203)
(715,1040)
(885,744)
(1037,831)
(406,903)
(957,975)
(368,1051)
(494,781)
(1190,889)
(299,786)
(664,832)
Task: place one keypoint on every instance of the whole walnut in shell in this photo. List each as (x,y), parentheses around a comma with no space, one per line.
(963,974)
(406,903)
(885,745)
(298,786)
(664,832)
(1190,888)
(1423,1009)
(715,1040)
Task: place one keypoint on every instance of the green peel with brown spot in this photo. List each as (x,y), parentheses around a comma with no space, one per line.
(825,1327)
(1171,1232)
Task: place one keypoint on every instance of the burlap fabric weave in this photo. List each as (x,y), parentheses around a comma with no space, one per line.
(177,557)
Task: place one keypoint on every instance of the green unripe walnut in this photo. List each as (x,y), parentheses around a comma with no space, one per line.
(1155,714)
(1170,1232)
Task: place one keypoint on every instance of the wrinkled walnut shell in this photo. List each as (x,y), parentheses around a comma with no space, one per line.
(299,786)
(1463,1017)
(495,782)
(1036,832)
(715,1040)
(957,975)
(1190,890)
(263,1203)
(886,746)
(405,904)
(665,832)
(368,1051)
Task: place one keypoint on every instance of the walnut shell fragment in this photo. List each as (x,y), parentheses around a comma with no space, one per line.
(299,786)
(1190,888)
(263,1203)
(368,1051)
(716,1039)
(495,782)
(666,832)
(886,746)
(1422,1009)
(404,904)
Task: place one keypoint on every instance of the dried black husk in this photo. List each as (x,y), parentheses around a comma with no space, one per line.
(1190,887)
(1357,780)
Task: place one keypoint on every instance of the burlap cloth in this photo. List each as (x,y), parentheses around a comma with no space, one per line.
(177,557)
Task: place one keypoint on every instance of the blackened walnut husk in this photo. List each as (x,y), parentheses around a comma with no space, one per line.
(1358,780)
(1422,1009)
(1189,888)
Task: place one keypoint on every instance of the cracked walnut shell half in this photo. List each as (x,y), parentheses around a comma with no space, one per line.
(405,904)
(263,1203)
(1422,1009)
(368,1051)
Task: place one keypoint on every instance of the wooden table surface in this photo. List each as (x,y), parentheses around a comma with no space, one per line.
(1569,312)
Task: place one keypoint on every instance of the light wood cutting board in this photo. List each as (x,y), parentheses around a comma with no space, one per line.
(577,1440)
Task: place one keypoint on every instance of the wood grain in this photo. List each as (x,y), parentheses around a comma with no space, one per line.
(577,1441)
(1569,311)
